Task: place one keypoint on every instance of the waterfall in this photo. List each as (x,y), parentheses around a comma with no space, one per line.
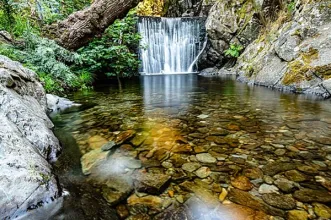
(170,45)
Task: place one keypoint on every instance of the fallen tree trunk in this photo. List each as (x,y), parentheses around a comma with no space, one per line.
(80,27)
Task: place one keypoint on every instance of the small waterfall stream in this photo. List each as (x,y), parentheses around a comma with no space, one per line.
(170,45)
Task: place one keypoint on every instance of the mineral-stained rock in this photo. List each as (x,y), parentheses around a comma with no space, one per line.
(151,183)
(247,199)
(279,201)
(277,167)
(242,182)
(311,195)
(297,215)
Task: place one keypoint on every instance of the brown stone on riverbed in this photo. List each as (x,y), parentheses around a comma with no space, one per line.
(205,195)
(150,182)
(276,167)
(311,195)
(279,201)
(247,199)
(242,182)
(296,176)
(149,201)
(123,136)
(95,142)
(253,173)
(297,215)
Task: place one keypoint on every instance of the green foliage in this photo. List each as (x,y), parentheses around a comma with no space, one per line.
(51,62)
(291,6)
(115,52)
(6,15)
(234,50)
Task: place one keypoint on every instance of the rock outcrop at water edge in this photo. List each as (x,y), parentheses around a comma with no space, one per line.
(27,143)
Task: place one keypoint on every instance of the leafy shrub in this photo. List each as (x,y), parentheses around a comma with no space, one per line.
(51,62)
(234,50)
(115,52)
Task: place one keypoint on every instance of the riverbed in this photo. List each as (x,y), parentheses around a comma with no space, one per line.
(191,147)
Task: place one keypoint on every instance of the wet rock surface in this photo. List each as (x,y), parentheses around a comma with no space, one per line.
(213,145)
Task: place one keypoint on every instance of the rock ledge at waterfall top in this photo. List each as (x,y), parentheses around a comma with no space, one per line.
(27,143)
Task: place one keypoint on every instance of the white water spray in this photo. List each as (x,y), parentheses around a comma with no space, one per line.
(171,45)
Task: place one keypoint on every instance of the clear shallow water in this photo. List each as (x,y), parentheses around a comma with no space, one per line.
(172,122)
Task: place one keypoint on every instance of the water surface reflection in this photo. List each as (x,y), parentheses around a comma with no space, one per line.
(167,146)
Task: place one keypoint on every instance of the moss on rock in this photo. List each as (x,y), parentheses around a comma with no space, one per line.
(298,69)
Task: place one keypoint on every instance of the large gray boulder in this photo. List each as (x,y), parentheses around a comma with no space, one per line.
(295,56)
(229,22)
(27,143)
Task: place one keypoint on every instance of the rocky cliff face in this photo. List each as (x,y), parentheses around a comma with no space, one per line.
(291,52)
(295,55)
(27,143)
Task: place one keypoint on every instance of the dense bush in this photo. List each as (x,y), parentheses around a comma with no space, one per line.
(51,62)
(115,53)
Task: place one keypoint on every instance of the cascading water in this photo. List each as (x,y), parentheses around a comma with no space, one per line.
(170,45)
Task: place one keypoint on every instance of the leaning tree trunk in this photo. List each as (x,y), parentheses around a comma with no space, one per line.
(80,27)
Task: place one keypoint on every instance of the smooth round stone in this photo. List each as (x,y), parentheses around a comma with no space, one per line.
(280,152)
(167,165)
(206,158)
(265,188)
(203,172)
(242,182)
(268,179)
